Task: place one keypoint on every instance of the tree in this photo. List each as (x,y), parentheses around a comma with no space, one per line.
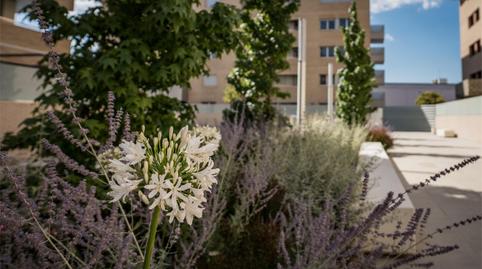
(429,98)
(136,48)
(264,43)
(357,77)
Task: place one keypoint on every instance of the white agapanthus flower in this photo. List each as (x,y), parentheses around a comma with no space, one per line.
(121,185)
(197,152)
(133,152)
(209,134)
(192,208)
(156,186)
(207,175)
(172,173)
(118,167)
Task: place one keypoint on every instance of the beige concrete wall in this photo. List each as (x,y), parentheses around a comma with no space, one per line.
(470,64)
(220,68)
(12,113)
(469,88)
(463,116)
(465,126)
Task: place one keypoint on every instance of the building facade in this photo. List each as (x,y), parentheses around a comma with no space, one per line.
(21,48)
(324,20)
(470,47)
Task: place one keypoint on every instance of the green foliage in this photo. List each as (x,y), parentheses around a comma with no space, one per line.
(264,42)
(357,76)
(320,160)
(382,135)
(429,98)
(230,94)
(313,163)
(136,49)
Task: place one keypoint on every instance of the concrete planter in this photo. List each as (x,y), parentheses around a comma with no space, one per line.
(429,111)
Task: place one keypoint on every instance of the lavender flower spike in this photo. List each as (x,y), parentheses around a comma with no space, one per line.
(69,162)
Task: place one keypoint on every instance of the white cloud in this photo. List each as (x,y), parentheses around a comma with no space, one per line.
(389,37)
(378,6)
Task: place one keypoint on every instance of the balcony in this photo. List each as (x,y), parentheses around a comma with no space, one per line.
(377,34)
(378,55)
(24,46)
(380,77)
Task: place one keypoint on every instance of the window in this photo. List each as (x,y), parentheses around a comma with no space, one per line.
(476,75)
(327,51)
(344,22)
(293,53)
(210,80)
(211,3)
(471,21)
(474,17)
(288,80)
(324,79)
(327,24)
(212,56)
(293,25)
(475,48)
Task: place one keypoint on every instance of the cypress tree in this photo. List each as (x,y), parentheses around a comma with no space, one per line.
(357,77)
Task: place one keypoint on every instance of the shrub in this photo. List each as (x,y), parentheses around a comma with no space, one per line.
(429,98)
(275,165)
(319,159)
(382,135)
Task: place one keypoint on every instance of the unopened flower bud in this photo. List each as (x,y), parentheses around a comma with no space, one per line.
(143,197)
(171,131)
(145,170)
(165,143)
(156,142)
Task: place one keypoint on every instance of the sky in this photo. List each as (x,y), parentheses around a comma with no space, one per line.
(421,39)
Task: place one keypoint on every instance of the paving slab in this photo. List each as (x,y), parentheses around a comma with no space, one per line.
(418,155)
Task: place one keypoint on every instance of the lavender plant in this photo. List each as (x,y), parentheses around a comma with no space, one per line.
(316,240)
(62,226)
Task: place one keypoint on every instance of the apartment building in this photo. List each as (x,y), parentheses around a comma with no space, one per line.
(470,47)
(324,20)
(21,47)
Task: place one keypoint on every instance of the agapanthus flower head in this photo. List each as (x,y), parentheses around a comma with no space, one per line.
(172,172)
(208,133)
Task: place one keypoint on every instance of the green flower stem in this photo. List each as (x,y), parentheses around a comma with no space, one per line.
(152,237)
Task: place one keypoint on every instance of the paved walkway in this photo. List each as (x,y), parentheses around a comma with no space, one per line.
(452,198)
